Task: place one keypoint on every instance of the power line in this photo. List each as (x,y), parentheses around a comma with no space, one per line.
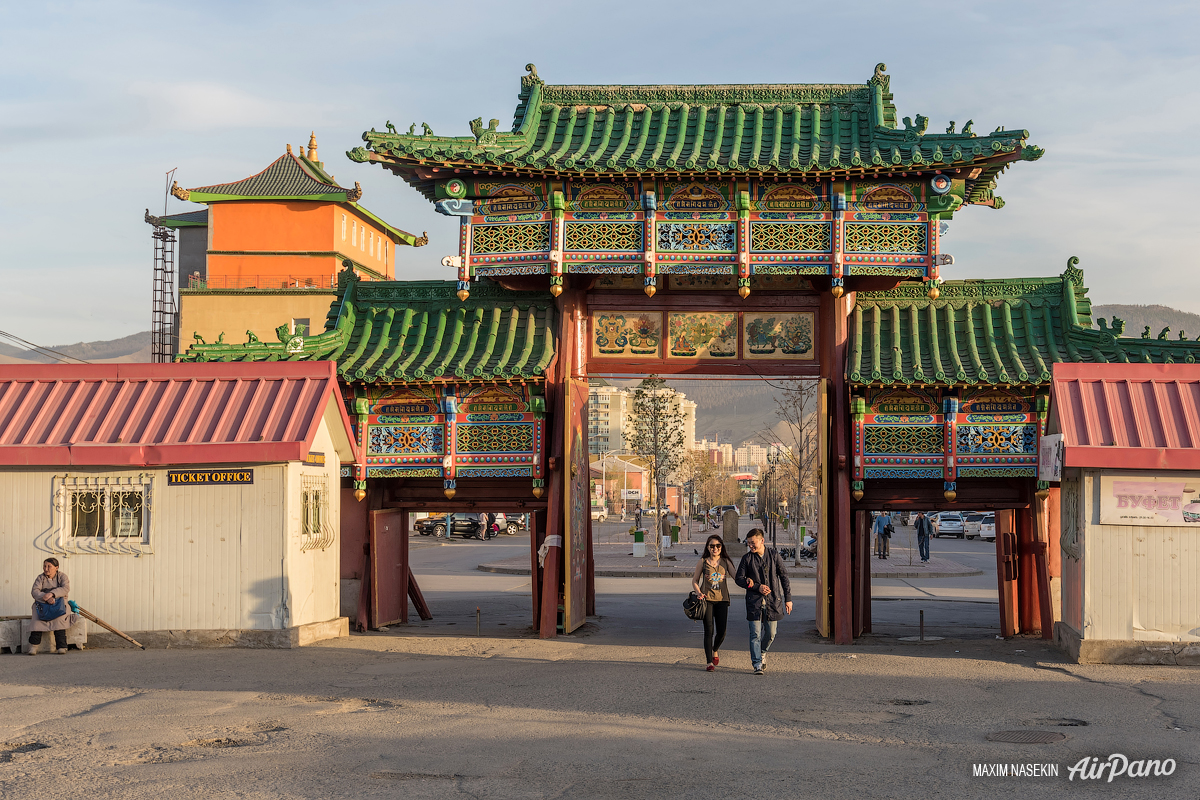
(46,351)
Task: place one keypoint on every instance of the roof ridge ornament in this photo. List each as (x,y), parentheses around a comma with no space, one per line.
(527,81)
(179,191)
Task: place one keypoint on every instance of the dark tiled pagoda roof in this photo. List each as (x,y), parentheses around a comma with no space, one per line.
(417,331)
(288,177)
(989,331)
(792,129)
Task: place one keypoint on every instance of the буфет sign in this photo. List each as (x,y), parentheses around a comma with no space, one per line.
(197,477)
(1149,500)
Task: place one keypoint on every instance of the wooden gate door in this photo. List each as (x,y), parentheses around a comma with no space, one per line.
(1007,570)
(389,568)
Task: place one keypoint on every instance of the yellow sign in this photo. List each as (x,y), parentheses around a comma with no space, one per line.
(603,198)
(195,477)
(788,197)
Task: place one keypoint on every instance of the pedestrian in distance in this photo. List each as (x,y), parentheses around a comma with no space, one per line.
(637,518)
(882,529)
(768,594)
(924,534)
(50,613)
(709,581)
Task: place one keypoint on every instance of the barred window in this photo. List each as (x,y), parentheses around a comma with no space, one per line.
(100,510)
(316,525)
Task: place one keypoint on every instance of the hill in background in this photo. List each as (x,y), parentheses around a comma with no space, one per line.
(133,348)
(1157,317)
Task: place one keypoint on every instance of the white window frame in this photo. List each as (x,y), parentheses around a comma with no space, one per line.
(343,227)
(354,234)
(66,487)
(316,530)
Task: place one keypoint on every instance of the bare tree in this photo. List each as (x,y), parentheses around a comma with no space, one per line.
(654,431)
(796,470)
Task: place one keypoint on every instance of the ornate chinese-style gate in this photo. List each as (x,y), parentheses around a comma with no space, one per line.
(637,230)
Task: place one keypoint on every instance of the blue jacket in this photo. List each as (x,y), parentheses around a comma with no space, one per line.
(764,570)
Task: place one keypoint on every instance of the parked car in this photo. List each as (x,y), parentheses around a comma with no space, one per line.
(599,513)
(971,522)
(441,525)
(987,528)
(950,523)
(513,523)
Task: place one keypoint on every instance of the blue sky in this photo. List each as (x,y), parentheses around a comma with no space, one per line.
(99,100)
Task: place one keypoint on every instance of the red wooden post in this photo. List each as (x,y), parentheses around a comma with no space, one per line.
(536,525)
(552,570)
(1027,577)
(862,568)
(840,522)
(1006,570)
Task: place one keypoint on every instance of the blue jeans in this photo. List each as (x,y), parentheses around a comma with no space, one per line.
(760,639)
(923,547)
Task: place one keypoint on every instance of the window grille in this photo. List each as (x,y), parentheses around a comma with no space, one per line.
(103,514)
(316,526)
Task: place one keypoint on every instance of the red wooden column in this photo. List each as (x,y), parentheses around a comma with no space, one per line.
(1007,570)
(862,572)
(1032,558)
(834,329)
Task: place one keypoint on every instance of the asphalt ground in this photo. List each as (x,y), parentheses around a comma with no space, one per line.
(622,708)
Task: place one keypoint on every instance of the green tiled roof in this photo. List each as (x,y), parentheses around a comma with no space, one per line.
(989,331)
(417,330)
(188,219)
(766,128)
(289,177)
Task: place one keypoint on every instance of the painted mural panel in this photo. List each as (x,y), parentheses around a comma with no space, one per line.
(902,435)
(726,281)
(607,197)
(703,335)
(779,336)
(628,334)
(788,197)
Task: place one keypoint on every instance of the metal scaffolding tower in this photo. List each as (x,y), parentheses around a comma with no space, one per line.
(163,313)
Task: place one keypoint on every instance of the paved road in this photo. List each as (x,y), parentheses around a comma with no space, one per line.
(963,607)
(622,709)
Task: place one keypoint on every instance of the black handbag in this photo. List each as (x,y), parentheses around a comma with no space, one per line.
(695,606)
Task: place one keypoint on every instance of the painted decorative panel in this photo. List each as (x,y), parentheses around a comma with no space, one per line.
(789,282)
(779,336)
(883,238)
(886,197)
(510,238)
(509,198)
(790,237)
(404,472)
(703,335)
(403,400)
(697,236)
(636,334)
(679,196)
(622,236)
(787,197)
(495,472)
(484,401)
(907,474)
(902,439)
(997,439)
(474,438)
(389,439)
(605,197)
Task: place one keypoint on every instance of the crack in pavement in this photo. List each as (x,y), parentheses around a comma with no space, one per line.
(1135,687)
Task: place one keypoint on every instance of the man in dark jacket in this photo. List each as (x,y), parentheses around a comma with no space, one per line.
(925,532)
(768,594)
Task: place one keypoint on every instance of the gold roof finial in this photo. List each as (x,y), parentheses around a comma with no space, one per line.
(312,146)
(289,149)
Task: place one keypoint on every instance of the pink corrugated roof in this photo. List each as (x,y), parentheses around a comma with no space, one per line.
(1135,416)
(156,414)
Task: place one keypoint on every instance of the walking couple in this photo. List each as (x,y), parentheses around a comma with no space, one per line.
(768,595)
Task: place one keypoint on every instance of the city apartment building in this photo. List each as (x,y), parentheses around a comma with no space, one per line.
(610,411)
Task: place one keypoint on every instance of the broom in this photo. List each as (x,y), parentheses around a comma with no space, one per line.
(77,609)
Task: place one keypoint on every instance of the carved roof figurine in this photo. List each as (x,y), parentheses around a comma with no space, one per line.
(990,331)
(663,130)
(292,176)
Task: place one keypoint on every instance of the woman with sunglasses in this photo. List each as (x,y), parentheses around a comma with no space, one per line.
(709,581)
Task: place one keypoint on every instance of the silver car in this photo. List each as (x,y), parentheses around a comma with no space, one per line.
(950,523)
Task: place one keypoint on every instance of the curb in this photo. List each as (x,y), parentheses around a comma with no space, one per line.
(624,573)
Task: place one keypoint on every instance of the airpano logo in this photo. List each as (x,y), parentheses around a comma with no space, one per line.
(1118,766)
